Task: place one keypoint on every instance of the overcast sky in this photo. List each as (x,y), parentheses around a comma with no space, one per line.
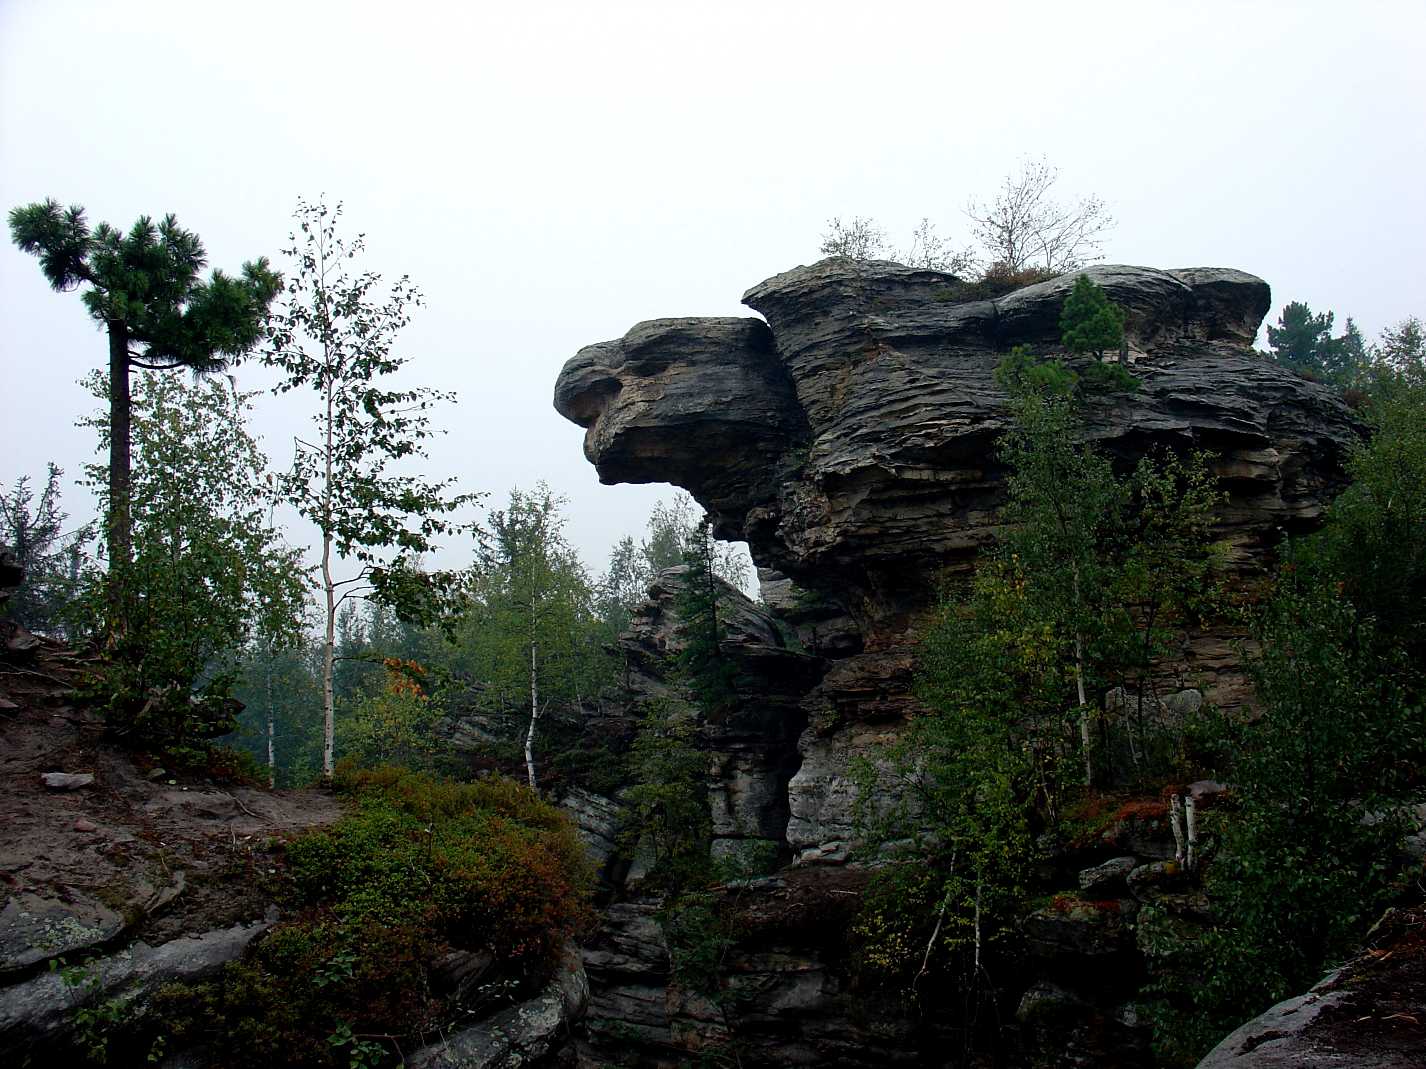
(552,173)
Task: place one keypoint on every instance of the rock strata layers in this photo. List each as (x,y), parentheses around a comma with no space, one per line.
(849,436)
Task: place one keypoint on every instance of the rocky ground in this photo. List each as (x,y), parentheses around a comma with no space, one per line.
(102,852)
(1369,1013)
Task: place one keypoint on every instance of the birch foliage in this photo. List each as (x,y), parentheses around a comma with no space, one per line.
(335,334)
(207,573)
(530,636)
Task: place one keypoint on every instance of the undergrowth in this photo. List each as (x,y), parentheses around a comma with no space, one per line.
(421,870)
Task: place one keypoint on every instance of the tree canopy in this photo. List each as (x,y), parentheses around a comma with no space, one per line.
(1023,235)
(1304,342)
(145,288)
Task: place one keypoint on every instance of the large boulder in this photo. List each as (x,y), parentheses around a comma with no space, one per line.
(39,1011)
(526,1034)
(1368,1014)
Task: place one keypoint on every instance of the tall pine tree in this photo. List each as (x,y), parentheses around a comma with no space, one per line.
(144,288)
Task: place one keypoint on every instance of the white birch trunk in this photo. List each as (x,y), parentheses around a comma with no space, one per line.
(534,701)
(1176,819)
(977,923)
(1190,827)
(329,650)
(329,719)
(271,750)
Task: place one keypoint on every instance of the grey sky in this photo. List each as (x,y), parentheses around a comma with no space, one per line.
(551,173)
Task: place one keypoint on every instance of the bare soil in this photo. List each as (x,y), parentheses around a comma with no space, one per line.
(135,853)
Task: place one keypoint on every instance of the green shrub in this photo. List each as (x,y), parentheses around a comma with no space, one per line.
(420,867)
(1021,372)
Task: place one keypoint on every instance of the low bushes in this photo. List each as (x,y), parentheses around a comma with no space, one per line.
(421,872)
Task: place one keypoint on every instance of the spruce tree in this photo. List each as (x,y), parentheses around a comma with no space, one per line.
(33,530)
(709,674)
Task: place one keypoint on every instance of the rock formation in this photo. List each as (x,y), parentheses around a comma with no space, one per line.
(126,877)
(849,437)
(1364,1013)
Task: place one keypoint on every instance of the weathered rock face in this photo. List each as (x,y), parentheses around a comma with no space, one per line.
(849,437)
(681,390)
(1366,1013)
(36,1011)
(752,750)
(530,1033)
(787,996)
(850,440)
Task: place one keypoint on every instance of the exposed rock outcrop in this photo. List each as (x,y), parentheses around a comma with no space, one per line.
(133,879)
(752,750)
(787,995)
(849,437)
(526,1034)
(35,1012)
(1366,1013)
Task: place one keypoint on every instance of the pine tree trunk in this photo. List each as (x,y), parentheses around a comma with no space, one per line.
(120,523)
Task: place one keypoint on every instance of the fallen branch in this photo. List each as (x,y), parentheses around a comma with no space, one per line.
(244,808)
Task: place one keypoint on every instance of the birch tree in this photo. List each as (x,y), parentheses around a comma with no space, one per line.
(208,572)
(334,335)
(1066,510)
(529,634)
(1023,225)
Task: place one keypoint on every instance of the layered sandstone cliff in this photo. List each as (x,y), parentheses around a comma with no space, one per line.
(849,436)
